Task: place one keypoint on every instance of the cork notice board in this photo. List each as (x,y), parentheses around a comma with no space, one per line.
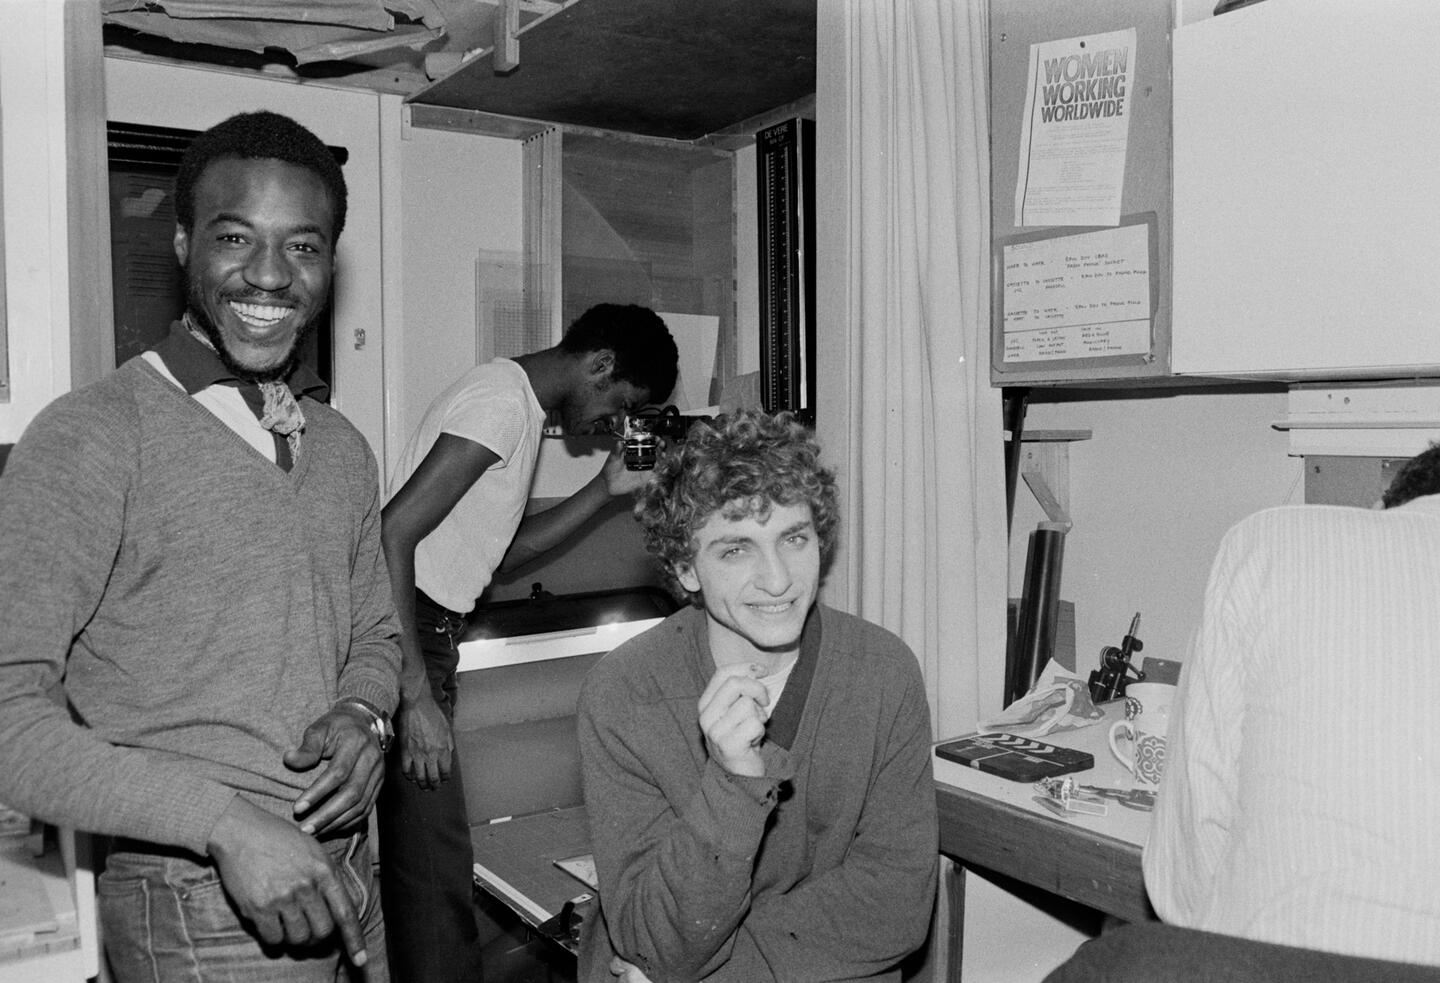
(1082,302)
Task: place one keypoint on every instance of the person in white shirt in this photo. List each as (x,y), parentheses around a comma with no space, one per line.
(1300,789)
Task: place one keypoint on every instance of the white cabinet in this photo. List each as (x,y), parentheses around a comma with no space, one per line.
(1306,177)
(48,928)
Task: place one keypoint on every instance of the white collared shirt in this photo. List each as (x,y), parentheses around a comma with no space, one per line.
(1302,790)
(228,405)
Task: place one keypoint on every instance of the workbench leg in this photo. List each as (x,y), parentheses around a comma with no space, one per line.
(952,879)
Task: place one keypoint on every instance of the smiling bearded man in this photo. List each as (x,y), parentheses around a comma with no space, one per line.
(257,257)
(190,549)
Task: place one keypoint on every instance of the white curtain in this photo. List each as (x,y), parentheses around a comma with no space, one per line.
(925,538)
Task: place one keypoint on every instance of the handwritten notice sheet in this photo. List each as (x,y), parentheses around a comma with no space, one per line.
(1075,130)
(1078,296)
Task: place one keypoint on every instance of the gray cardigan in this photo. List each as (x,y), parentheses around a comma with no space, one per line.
(822,870)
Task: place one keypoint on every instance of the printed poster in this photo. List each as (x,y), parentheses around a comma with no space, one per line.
(1076,129)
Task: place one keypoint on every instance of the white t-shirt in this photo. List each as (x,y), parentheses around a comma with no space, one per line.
(775,684)
(492,405)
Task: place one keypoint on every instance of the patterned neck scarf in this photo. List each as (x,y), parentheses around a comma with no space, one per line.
(282,413)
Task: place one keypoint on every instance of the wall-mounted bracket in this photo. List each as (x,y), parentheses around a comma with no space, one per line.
(1059,519)
(1045,468)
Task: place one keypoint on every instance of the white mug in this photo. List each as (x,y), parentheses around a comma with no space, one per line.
(1144,729)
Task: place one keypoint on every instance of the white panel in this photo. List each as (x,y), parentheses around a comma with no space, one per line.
(394,127)
(1307,196)
(1361,442)
(1152,492)
(461,204)
(1397,420)
(1007,940)
(36,262)
(1189,11)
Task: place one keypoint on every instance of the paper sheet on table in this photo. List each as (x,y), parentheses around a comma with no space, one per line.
(1058,701)
(582,868)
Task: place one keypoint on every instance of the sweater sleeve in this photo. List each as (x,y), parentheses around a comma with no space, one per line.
(860,918)
(674,884)
(62,505)
(372,670)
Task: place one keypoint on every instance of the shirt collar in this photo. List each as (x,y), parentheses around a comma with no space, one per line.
(196,367)
(1422,503)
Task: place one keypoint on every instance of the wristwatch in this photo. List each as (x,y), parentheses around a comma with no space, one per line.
(379,721)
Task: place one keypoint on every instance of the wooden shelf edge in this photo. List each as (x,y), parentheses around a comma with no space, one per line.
(1052,436)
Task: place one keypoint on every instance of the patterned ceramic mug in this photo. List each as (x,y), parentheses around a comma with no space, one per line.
(1138,741)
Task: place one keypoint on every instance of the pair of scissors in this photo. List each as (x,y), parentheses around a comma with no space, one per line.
(1140,799)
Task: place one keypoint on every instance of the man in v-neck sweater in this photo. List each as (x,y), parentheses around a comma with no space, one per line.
(190,556)
(757,766)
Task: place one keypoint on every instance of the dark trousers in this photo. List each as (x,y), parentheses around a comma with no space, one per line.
(426,864)
(1155,953)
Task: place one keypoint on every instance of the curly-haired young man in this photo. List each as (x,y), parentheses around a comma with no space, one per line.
(190,550)
(756,767)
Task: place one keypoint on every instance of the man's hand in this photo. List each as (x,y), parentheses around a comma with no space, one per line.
(281,880)
(626,972)
(426,741)
(620,480)
(732,718)
(343,791)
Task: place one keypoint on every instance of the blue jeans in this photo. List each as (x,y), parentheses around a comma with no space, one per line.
(426,861)
(165,918)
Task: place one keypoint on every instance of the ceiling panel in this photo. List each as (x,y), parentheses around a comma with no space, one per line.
(680,69)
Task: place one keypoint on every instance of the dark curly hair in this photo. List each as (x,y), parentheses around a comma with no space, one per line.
(259,135)
(740,464)
(1418,476)
(645,354)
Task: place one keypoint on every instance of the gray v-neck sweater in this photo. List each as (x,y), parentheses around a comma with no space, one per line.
(200,605)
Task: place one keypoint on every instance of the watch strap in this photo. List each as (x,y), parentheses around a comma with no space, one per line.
(380,724)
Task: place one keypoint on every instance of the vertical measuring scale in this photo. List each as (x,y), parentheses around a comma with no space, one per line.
(787,266)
